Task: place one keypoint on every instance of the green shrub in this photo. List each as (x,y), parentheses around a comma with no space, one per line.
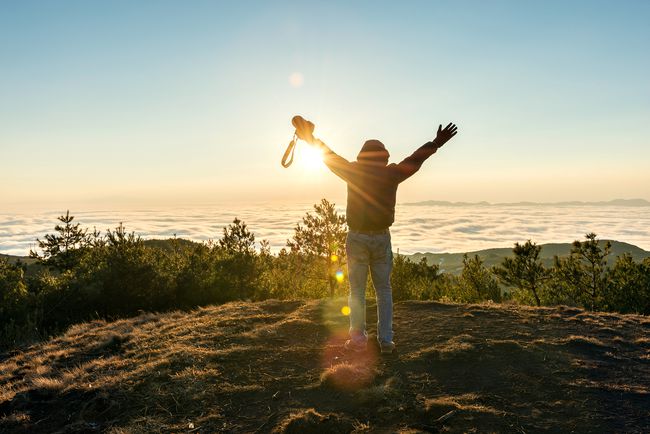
(628,289)
(581,278)
(14,308)
(411,280)
(524,273)
(476,283)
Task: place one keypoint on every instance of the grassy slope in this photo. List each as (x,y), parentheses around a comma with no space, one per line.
(258,367)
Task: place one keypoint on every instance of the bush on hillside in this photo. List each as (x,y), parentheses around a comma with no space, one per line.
(524,273)
(13,299)
(413,280)
(583,274)
(628,288)
(476,282)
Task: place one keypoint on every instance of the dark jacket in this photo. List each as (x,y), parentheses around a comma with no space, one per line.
(372,184)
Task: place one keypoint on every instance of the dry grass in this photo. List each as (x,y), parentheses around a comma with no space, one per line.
(279,366)
(383,393)
(584,340)
(347,376)
(311,422)
(441,405)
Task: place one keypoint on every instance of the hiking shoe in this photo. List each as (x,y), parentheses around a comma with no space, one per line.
(387,347)
(355,346)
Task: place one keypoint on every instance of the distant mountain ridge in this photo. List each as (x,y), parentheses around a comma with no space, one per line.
(453,262)
(613,202)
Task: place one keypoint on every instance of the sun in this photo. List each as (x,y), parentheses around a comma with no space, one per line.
(309,158)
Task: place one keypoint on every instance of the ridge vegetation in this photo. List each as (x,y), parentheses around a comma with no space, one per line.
(77,275)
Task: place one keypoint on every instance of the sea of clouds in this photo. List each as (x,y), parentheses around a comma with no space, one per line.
(422,228)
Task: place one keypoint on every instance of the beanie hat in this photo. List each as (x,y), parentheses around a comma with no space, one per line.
(373,150)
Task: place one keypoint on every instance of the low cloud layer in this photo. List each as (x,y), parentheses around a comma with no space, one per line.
(436,228)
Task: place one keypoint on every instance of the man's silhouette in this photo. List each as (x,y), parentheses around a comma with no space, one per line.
(372,190)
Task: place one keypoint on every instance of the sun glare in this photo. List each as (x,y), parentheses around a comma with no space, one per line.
(309,158)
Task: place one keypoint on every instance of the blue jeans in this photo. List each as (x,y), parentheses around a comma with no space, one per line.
(370,252)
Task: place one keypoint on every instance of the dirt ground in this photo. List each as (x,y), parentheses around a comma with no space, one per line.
(278,366)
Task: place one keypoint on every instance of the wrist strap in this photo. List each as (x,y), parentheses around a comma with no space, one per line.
(287,158)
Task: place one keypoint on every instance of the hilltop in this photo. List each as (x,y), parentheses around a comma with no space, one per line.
(278,366)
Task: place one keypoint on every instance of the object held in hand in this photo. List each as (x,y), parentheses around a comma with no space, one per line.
(304,131)
(304,128)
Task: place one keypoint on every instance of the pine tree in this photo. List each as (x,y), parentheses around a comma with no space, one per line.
(524,271)
(237,239)
(322,237)
(63,249)
(585,270)
(240,269)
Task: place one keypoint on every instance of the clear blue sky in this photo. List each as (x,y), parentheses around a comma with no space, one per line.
(174,102)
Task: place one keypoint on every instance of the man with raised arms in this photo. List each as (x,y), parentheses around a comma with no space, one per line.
(372,190)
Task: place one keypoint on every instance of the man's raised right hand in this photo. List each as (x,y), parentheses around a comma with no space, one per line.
(445,135)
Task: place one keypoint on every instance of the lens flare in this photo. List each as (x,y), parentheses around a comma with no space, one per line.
(334,258)
(345,310)
(339,276)
(296,79)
